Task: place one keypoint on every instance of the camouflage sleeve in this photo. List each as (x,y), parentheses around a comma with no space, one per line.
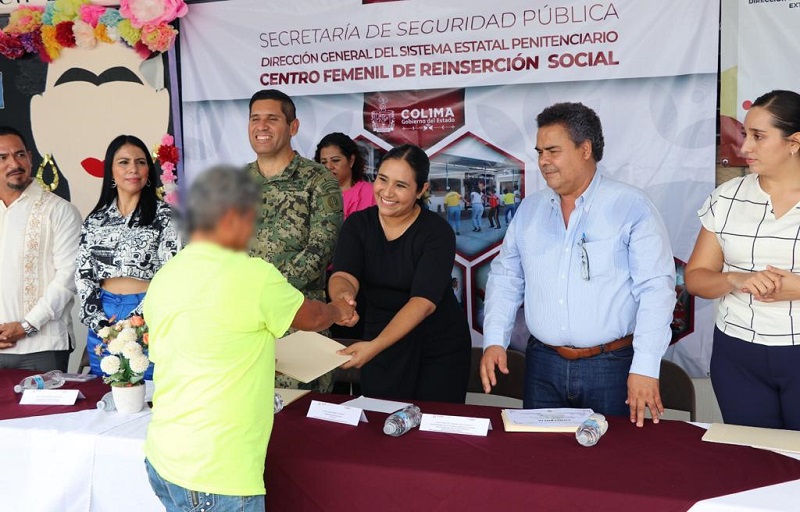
(325,220)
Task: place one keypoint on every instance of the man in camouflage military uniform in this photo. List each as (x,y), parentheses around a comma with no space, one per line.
(302,206)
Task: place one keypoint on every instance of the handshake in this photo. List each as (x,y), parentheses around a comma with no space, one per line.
(345,306)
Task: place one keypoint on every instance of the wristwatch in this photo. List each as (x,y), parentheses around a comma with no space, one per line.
(28,328)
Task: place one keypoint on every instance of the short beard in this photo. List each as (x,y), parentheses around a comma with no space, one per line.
(19,187)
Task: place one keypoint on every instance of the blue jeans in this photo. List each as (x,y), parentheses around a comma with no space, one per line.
(477,213)
(454,217)
(178,499)
(756,385)
(599,383)
(511,209)
(117,307)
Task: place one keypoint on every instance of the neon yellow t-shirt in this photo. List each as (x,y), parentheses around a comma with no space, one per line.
(508,198)
(213,316)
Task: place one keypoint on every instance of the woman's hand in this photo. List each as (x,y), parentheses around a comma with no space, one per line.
(761,285)
(789,289)
(362,353)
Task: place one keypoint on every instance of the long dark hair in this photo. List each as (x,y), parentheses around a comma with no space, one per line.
(145,211)
(417,159)
(348,147)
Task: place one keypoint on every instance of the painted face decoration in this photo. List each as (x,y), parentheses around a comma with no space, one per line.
(90,97)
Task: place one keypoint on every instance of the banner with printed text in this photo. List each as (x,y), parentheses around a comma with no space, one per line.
(465,79)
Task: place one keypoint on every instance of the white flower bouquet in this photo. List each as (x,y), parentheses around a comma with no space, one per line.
(124,351)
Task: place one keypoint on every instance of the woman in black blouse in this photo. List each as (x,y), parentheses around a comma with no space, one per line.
(126,238)
(401,256)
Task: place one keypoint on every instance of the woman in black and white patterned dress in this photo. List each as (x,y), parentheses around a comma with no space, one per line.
(748,256)
(128,236)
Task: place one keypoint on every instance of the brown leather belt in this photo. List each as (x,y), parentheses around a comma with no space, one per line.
(572,353)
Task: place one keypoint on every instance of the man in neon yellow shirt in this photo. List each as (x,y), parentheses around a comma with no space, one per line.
(213,315)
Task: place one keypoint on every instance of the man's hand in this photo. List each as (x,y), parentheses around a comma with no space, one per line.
(643,392)
(362,353)
(10,334)
(493,356)
(346,311)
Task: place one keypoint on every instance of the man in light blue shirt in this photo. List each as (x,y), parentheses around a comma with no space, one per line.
(591,259)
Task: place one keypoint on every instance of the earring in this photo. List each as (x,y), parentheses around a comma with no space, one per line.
(40,173)
(113,184)
(147,184)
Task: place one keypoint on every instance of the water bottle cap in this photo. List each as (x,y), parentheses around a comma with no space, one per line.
(389,428)
(17,388)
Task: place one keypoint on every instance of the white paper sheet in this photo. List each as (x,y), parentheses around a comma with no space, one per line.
(376,405)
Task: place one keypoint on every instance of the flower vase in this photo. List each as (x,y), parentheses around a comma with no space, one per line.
(128,399)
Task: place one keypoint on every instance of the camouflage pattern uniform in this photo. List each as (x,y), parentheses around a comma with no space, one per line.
(296,231)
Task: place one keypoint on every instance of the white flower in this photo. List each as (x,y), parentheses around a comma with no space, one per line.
(139,363)
(104,332)
(127,335)
(131,350)
(110,365)
(116,345)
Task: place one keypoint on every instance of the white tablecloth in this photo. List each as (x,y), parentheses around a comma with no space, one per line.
(75,462)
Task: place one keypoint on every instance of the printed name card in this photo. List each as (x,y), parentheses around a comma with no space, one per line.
(455,424)
(336,413)
(50,396)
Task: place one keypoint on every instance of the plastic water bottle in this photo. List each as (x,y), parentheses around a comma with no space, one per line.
(107,403)
(588,434)
(278,403)
(400,422)
(50,380)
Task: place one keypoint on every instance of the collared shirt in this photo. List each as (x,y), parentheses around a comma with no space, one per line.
(631,285)
(299,223)
(740,214)
(111,247)
(38,245)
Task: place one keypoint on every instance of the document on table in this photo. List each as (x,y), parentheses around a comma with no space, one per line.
(290,395)
(307,355)
(376,405)
(455,424)
(544,420)
(764,438)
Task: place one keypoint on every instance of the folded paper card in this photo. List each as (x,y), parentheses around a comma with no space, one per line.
(335,413)
(306,356)
(544,420)
(455,424)
(290,395)
(50,396)
(765,438)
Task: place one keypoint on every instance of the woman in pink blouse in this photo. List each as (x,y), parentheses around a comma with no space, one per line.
(340,154)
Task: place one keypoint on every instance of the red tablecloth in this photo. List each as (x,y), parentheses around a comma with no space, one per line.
(314,466)
(9,401)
